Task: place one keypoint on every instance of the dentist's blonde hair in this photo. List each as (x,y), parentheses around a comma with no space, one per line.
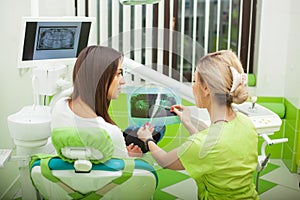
(214,70)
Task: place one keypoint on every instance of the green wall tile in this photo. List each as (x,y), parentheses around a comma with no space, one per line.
(276,149)
(298,121)
(291,114)
(290,149)
(270,99)
(290,134)
(296,142)
(298,151)
(287,156)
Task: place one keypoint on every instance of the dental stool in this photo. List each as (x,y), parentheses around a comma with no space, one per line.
(84,169)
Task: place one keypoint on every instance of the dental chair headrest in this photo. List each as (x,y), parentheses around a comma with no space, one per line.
(93,144)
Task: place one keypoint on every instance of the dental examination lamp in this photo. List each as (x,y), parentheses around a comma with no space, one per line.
(138,2)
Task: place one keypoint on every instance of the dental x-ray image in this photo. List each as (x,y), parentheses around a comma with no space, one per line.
(151,105)
(56,38)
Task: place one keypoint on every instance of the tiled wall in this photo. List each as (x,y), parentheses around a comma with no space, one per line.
(291,149)
(289,152)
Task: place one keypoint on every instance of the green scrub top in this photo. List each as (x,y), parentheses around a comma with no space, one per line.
(222,159)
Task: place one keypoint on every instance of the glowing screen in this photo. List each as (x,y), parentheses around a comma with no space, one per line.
(147,106)
(151,104)
(54,40)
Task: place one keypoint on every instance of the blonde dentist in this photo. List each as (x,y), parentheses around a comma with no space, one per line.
(223,157)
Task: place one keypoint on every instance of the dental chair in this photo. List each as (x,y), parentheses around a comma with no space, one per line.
(85,169)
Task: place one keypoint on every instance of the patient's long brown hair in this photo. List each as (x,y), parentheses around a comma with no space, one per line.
(94,70)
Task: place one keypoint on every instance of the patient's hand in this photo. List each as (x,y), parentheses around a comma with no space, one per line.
(134,150)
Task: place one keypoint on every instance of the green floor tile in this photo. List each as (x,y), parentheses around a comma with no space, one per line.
(160,195)
(170,177)
(264,185)
(166,178)
(270,167)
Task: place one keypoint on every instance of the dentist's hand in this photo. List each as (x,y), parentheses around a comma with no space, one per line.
(182,112)
(145,132)
(184,115)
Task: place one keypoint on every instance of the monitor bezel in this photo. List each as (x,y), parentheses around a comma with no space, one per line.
(51,62)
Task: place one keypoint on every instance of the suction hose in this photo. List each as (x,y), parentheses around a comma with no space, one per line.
(263,164)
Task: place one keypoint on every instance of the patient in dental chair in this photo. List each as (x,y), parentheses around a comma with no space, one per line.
(97,79)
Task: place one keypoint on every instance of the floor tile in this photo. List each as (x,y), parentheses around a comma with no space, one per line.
(280,193)
(282,176)
(186,189)
(177,184)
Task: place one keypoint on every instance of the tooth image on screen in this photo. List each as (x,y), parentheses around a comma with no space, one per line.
(56,38)
(151,104)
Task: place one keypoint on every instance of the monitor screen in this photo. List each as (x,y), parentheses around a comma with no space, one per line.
(151,104)
(45,41)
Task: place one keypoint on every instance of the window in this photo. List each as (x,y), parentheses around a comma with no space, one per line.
(181,32)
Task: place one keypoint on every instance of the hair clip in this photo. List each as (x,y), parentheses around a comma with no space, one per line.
(237,78)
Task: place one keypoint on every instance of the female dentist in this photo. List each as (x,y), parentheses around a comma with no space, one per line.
(223,157)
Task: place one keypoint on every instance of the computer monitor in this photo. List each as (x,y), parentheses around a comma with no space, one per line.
(151,104)
(48,41)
